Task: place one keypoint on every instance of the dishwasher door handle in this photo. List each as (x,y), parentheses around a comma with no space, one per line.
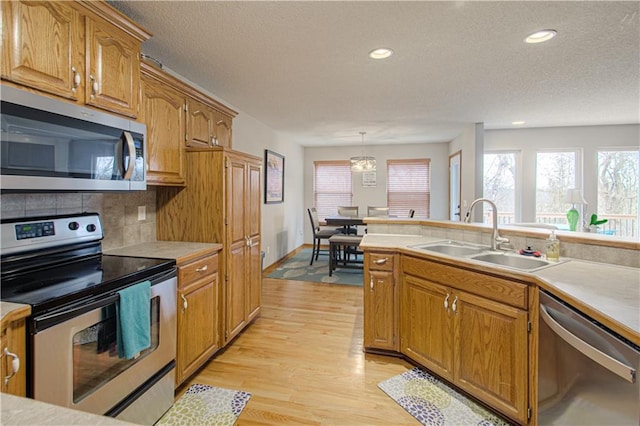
(624,371)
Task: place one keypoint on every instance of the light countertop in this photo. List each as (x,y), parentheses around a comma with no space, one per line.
(182,252)
(17,410)
(608,293)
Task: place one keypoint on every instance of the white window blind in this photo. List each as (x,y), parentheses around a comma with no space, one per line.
(332,186)
(409,187)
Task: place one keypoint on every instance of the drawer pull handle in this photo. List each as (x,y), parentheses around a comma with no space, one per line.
(454,305)
(15,365)
(203,269)
(185,305)
(381,261)
(446,302)
(371,283)
(94,86)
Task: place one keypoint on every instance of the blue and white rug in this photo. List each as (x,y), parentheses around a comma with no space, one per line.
(298,268)
(434,403)
(206,405)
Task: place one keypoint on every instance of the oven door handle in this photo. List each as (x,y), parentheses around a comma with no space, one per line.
(624,371)
(45,321)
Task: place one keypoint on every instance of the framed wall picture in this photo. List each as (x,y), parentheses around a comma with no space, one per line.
(368,178)
(273,177)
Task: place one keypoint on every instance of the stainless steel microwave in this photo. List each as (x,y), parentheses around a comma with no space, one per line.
(51,145)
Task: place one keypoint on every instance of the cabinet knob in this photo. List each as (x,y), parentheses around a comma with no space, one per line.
(94,85)
(381,261)
(203,269)
(446,302)
(454,306)
(371,283)
(15,365)
(76,79)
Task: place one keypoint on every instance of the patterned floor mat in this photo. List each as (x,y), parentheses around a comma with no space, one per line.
(433,403)
(298,268)
(206,405)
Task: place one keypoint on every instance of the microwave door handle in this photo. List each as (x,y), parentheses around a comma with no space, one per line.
(132,152)
(624,371)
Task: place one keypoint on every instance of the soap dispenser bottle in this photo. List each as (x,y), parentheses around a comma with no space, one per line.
(552,245)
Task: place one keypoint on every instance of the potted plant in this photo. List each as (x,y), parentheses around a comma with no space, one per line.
(593,224)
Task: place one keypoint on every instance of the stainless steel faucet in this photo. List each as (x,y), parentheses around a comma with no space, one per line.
(496,239)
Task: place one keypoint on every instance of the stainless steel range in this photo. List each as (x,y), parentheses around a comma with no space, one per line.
(74,342)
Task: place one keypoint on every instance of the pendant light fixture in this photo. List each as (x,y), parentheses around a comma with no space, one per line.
(363,163)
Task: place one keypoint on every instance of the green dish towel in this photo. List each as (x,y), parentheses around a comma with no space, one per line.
(133,313)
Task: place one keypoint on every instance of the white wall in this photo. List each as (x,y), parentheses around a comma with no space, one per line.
(587,139)
(377,196)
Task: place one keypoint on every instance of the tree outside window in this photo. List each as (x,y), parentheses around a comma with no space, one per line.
(500,184)
(555,174)
(618,183)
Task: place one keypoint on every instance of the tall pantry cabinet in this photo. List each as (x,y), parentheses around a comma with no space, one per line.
(222,198)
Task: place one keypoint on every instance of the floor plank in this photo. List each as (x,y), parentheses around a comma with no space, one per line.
(302,360)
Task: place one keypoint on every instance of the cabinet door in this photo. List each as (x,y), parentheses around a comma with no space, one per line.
(163,113)
(253,228)
(113,69)
(426,326)
(200,124)
(237,243)
(379,318)
(197,325)
(490,353)
(222,130)
(43,46)
(13,338)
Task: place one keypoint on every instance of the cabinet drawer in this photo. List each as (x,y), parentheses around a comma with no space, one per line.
(197,269)
(495,288)
(381,261)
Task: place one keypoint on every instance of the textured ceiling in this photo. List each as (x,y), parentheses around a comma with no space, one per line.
(302,68)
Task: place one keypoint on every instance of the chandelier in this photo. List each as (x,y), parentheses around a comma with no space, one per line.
(362,163)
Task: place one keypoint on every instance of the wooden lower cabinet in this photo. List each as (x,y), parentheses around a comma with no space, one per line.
(470,328)
(198,315)
(13,336)
(380,301)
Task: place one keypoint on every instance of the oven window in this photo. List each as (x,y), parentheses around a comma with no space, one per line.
(95,352)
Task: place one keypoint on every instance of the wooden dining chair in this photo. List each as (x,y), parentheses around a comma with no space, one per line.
(318,234)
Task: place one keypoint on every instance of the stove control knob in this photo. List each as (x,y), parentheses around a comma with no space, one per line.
(91,227)
(74,226)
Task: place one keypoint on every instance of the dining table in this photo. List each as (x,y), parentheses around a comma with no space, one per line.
(344,220)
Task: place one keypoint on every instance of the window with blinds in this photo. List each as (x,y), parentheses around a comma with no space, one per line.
(409,187)
(332,186)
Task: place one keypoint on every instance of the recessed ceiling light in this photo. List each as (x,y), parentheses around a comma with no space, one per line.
(517,123)
(540,36)
(380,53)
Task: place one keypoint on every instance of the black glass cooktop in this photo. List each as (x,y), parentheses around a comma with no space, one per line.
(51,287)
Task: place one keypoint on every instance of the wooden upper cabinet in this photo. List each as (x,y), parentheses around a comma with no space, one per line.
(43,47)
(86,52)
(200,124)
(222,130)
(113,69)
(163,113)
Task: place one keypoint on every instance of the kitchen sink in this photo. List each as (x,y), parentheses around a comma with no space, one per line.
(452,248)
(513,261)
(485,254)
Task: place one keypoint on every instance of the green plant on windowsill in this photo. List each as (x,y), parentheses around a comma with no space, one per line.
(595,222)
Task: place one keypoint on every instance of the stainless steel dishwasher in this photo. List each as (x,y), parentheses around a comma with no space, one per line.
(587,373)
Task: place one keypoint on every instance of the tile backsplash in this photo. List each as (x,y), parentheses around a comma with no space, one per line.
(118,212)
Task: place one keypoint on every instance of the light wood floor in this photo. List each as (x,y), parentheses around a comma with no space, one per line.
(303,363)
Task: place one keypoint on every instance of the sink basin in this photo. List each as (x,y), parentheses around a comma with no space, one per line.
(517,262)
(452,248)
